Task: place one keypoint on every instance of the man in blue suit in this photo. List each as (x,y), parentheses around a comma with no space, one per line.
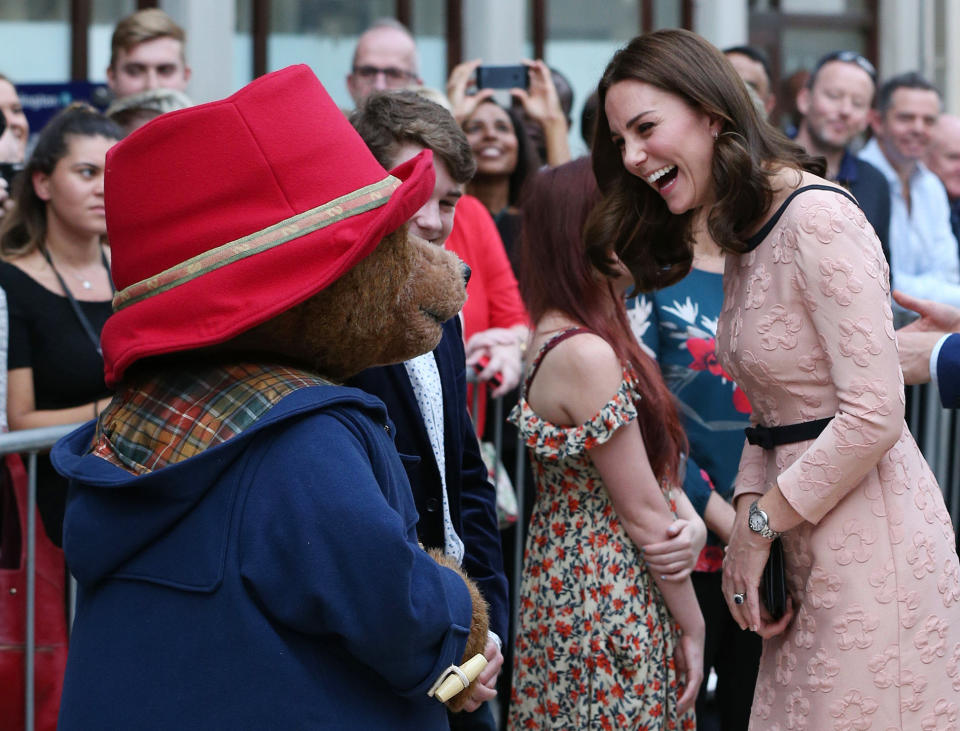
(427,397)
(930,347)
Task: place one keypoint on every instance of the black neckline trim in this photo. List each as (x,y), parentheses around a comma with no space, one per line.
(754,241)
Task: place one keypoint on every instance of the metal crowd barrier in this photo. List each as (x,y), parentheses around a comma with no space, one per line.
(937,431)
(29,443)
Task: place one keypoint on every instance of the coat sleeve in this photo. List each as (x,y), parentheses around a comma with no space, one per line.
(841,269)
(948,372)
(329,549)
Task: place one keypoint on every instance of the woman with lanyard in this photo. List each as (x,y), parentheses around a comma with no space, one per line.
(56,274)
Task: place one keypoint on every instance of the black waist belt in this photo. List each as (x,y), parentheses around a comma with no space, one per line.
(768,437)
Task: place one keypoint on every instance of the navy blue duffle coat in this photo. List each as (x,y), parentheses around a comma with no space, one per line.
(273,581)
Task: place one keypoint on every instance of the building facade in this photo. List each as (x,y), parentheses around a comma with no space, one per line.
(230,42)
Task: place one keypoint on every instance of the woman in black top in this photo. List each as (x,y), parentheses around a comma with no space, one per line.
(56,275)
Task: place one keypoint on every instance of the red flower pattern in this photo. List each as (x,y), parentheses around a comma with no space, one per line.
(704,354)
(595,642)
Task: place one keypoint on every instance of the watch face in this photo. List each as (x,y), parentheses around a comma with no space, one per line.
(757,522)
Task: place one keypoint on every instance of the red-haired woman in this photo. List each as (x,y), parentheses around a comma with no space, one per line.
(609,623)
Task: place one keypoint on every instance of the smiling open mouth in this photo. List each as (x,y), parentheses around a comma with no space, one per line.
(665,178)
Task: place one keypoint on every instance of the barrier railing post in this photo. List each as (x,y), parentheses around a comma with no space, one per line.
(30,442)
(519,536)
(932,426)
(30,640)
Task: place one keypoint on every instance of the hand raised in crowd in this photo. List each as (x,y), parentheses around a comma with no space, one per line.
(916,341)
(502,347)
(540,100)
(464,104)
(675,558)
(542,104)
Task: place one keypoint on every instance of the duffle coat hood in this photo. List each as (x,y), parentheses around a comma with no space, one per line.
(272,581)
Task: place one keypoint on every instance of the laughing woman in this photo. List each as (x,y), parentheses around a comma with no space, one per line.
(56,274)
(806,330)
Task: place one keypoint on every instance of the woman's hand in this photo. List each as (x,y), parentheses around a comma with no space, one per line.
(542,105)
(746,555)
(464,104)
(689,662)
(502,347)
(540,100)
(769,627)
(675,558)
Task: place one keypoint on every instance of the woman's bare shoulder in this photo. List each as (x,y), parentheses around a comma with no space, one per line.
(575,379)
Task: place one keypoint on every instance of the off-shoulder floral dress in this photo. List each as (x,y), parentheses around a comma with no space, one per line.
(595,641)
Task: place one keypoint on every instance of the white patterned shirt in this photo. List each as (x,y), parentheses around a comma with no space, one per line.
(425,379)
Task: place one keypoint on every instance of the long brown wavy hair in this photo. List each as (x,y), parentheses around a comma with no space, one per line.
(555,273)
(632,219)
(24,229)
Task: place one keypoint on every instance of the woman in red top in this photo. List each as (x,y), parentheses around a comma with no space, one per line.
(494,320)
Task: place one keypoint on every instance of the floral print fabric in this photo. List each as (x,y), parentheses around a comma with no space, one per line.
(595,641)
(806,330)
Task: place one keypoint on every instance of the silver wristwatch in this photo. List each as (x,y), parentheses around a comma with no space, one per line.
(758,522)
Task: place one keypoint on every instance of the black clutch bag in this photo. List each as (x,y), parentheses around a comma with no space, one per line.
(773,584)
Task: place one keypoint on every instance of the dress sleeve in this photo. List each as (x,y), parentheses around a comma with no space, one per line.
(843,280)
(752,473)
(948,372)
(554,443)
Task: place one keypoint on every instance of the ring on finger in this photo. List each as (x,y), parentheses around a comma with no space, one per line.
(739,598)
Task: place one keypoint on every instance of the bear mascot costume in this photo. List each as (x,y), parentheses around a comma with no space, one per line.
(240,525)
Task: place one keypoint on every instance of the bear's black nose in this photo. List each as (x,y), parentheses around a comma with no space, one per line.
(466,273)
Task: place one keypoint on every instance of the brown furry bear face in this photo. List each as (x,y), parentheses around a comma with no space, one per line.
(386,309)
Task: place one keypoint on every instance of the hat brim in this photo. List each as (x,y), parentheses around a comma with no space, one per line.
(254,288)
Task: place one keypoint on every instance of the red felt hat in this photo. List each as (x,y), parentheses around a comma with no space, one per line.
(223,215)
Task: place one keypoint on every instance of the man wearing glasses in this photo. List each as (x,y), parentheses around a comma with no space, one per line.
(835,104)
(385,58)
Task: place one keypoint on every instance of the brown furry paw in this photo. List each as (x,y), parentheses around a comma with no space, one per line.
(479,626)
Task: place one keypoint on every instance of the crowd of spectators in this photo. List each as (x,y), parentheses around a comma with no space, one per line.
(56,286)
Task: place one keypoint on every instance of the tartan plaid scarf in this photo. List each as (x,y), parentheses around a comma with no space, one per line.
(177,415)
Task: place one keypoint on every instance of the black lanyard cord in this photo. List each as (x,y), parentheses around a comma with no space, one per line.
(84,322)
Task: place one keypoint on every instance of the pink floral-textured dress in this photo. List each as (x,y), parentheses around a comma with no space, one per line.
(806,330)
(595,641)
